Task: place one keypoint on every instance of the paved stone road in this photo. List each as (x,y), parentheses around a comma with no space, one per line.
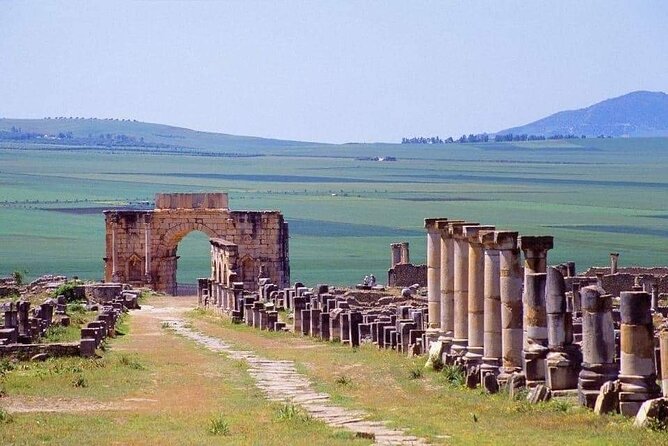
(281,382)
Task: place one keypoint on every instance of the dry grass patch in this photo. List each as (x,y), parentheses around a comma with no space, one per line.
(150,387)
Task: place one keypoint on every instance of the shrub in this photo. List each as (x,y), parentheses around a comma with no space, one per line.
(219,426)
(18,276)
(67,290)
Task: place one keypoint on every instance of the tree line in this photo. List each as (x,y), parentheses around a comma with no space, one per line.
(484,137)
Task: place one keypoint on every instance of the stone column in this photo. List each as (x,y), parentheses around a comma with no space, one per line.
(535,347)
(535,260)
(637,373)
(461,288)
(614,261)
(114,254)
(491,359)
(563,359)
(598,345)
(655,294)
(476,295)
(395,258)
(147,253)
(433,272)
(511,303)
(23,307)
(447,279)
(535,252)
(663,345)
(405,253)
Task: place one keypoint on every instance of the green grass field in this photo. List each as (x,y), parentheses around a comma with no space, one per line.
(595,196)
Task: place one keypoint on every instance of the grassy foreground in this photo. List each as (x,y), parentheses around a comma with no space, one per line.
(150,387)
(433,405)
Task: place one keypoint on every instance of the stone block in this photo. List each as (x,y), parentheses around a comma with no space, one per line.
(607,400)
(87,347)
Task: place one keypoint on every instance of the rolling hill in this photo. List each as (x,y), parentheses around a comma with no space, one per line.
(128,133)
(636,114)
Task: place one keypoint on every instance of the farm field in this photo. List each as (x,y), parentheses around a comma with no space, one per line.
(595,196)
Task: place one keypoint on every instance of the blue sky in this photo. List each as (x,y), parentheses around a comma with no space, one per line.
(332,71)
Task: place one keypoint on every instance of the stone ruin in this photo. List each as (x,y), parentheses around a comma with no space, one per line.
(402,272)
(141,245)
(23,328)
(496,310)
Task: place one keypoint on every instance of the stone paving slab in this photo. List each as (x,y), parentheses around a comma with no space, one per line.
(281,382)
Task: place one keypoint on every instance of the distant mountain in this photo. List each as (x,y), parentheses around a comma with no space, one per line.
(640,113)
(131,134)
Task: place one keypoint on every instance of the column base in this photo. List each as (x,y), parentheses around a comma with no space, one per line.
(459,347)
(590,380)
(505,373)
(490,365)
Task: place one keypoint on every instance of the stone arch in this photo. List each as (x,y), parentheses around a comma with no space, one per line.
(166,251)
(150,238)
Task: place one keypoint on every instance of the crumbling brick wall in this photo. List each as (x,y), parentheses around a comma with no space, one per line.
(406,274)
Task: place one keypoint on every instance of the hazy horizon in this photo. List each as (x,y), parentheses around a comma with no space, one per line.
(327,71)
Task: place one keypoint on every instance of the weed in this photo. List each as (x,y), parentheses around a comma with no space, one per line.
(80,381)
(76,307)
(343,380)
(289,411)
(6,366)
(5,417)
(55,333)
(558,405)
(454,375)
(130,362)
(521,394)
(219,426)
(416,373)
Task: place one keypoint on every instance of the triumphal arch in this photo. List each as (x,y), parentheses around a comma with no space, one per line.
(142,244)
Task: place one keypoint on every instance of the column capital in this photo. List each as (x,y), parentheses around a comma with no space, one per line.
(486,238)
(456,229)
(430,223)
(536,245)
(472,233)
(443,226)
(505,240)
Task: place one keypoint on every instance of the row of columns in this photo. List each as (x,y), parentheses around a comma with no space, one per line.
(498,316)
(474,281)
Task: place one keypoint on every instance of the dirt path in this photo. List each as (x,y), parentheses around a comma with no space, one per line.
(279,380)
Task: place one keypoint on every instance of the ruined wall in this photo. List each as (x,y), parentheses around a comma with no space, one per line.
(625,278)
(407,274)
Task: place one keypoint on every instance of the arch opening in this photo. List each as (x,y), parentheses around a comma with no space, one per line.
(192,261)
